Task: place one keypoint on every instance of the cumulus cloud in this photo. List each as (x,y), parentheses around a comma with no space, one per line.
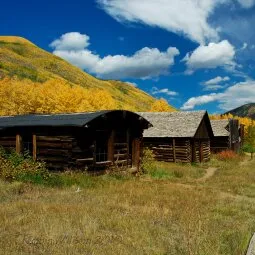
(187,17)
(234,96)
(246,3)
(145,63)
(71,41)
(216,80)
(165,91)
(200,100)
(211,56)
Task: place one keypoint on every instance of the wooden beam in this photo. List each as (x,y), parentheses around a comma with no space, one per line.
(136,153)
(34,148)
(18,144)
(174,153)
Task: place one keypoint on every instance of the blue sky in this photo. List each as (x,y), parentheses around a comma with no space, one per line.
(195,54)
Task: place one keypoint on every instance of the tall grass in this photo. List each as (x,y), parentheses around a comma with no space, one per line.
(114,214)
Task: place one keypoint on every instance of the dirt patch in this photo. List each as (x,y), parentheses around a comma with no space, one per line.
(209,173)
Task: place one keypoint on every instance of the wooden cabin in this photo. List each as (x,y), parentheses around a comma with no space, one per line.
(178,136)
(92,140)
(228,135)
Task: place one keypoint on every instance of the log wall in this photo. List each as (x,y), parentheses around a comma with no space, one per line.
(61,152)
(8,142)
(179,150)
(201,150)
(206,150)
(56,151)
(170,150)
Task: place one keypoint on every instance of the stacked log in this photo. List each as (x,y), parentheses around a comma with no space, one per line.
(178,151)
(196,152)
(8,142)
(55,151)
(206,150)
(122,156)
(183,151)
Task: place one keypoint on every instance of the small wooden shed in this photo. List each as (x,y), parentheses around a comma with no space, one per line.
(178,136)
(93,139)
(228,135)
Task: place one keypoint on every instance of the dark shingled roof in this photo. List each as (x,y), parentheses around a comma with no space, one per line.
(220,127)
(173,124)
(74,119)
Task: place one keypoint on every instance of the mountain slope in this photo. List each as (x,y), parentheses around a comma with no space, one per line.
(247,110)
(22,59)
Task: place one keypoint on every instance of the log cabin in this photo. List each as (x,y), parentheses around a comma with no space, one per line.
(91,140)
(178,136)
(228,135)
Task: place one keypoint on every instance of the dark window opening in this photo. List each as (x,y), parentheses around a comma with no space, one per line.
(27,142)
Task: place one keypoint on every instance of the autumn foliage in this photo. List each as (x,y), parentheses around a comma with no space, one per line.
(52,96)
(242,120)
(227,155)
(161,105)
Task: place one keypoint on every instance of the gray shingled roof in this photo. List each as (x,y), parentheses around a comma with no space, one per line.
(173,124)
(220,127)
(74,119)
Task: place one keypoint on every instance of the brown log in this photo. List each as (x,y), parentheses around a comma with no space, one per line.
(103,163)
(54,145)
(55,138)
(18,143)
(8,143)
(53,159)
(45,151)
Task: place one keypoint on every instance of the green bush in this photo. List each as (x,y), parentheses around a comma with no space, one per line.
(21,168)
(148,161)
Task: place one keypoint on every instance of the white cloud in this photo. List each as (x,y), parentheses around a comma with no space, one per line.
(214,55)
(200,100)
(234,96)
(216,80)
(246,3)
(165,91)
(213,87)
(145,63)
(245,45)
(188,17)
(71,41)
(237,95)
(214,84)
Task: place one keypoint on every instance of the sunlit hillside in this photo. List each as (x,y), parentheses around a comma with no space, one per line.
(23,61)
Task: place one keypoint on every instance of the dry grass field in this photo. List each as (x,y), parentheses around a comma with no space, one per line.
(170,210)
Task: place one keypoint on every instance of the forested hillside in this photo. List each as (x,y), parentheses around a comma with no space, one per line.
(33,80)
(247,110)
